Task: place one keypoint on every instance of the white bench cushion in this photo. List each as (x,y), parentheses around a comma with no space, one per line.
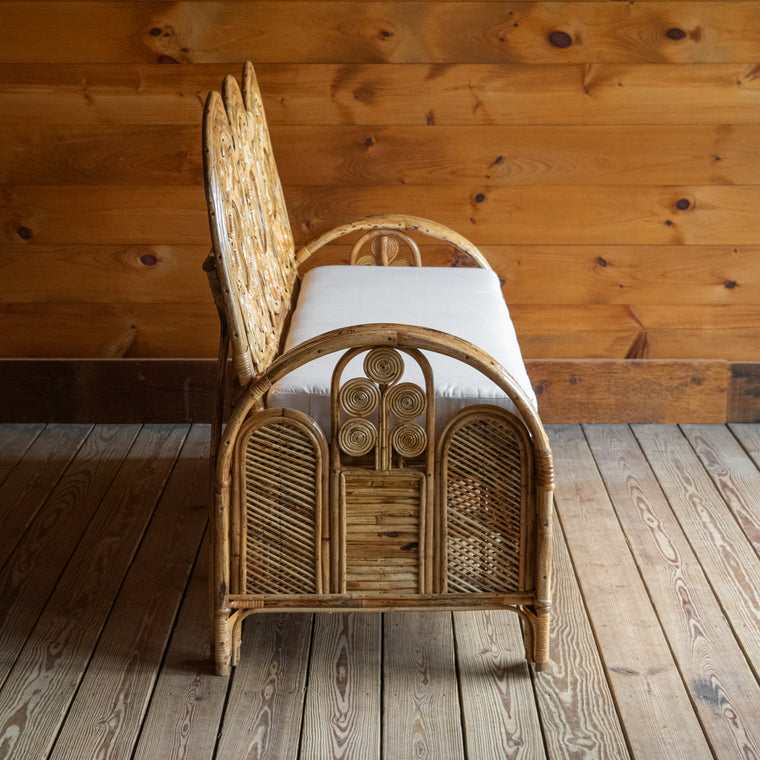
(463,302)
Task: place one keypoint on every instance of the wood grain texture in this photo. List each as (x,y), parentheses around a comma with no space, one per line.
(744,392)
(578,714)
(499,716)
(572,131)
(656,710)
(724,690)
(749,437)
(463,155)
(465,94)
(25,490)
(545,214)
(103,390)
(118,215)
(404,32)
(725,326)
(266,701)
(343,704)
(187,702)
(186,707)
(421,717)
(105,717)
(707,275)
(722,275)
(34,567)
(397,155)
(727,556)
(469,94)
(110,330)
(638,332)
(128,155)
(603,391)
(15,441)
(105,274)
(733,472)
(44,679)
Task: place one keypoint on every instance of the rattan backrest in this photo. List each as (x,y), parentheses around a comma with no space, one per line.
(254,265)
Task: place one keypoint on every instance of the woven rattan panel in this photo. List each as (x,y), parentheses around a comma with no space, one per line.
(280,500)
(485,496)
(382,531)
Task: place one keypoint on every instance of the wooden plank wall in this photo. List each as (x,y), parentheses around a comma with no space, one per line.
(605,155)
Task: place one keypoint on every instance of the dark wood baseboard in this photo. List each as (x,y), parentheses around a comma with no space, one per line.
(182,390)
(107,390)
(631,390)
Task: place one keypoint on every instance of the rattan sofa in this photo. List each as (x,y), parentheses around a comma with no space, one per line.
(377,456)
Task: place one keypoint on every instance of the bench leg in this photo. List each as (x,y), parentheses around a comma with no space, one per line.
(222,646)
(541,639)
(536,634)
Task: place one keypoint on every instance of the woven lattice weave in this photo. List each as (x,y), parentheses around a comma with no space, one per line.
(486,506)
(279,480)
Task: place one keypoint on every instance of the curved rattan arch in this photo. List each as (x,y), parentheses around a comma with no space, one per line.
(401,336)
(399,223)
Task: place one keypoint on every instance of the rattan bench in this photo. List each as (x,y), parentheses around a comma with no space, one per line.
(366,464)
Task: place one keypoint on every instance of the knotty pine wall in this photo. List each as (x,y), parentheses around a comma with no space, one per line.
(605,156)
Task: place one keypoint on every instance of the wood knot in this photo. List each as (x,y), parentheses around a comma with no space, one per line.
(675,33)
(24,233)
(364,94)
(149,259)
(683,204)
(560,39)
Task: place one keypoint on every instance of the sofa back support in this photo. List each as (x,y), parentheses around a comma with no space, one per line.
(252,266)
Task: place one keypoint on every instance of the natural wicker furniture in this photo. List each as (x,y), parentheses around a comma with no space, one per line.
(398,494)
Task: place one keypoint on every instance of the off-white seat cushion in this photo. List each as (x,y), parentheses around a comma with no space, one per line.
(463,302)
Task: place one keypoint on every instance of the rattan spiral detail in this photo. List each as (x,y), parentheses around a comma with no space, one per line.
(357,437)
(409,439)
(384,365)
(407,401)
(359,397)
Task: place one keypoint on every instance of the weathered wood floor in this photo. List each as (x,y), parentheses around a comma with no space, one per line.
(656,636)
